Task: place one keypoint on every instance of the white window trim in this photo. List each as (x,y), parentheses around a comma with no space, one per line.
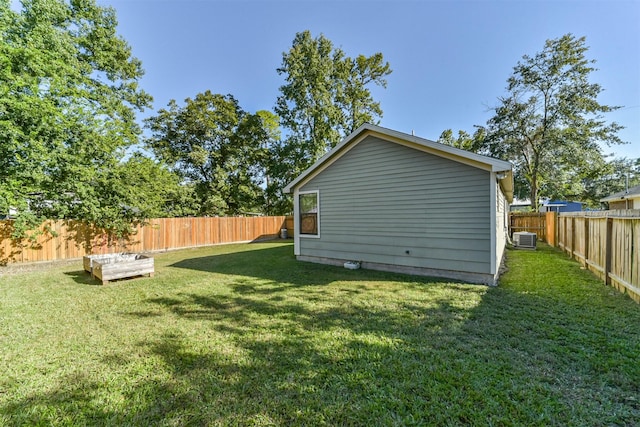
(300,193)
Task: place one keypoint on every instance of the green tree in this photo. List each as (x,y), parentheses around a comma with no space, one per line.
(326,96)
(157,191)
(68,96)
(464,141)
(275,201)
(354,98)
(215,146)
(550,124)
(616,175)
(307,105)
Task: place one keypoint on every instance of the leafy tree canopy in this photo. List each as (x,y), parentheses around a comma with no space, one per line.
(615,176)
(68,96)
(326,96)
(550,124)
(216,147)
(159,192)
(275,201)
(464,141)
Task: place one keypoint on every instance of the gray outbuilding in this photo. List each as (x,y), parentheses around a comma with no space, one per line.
(395,202)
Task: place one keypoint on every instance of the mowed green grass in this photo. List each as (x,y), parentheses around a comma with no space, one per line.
(246,335)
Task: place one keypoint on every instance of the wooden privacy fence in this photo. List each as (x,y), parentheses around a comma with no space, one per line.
(73,239)
(607,243)
(532,222)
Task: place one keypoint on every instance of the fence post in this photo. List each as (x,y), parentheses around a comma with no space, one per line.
(551,228)
(556,228)
(573,235)
(608,250)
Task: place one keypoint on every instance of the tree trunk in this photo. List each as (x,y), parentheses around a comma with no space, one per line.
(534,193)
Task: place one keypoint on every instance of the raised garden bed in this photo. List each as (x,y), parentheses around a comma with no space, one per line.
(118,266)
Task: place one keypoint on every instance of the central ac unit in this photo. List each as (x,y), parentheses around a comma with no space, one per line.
(522,239)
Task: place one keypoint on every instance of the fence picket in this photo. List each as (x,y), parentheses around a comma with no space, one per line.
(73,239)
(605,242)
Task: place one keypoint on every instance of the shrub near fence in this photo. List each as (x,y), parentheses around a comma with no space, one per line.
(72,239)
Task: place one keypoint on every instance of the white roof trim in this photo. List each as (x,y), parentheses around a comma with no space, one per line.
(442,150)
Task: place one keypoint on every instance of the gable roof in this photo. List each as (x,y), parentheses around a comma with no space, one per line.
(503,168)
(632,193)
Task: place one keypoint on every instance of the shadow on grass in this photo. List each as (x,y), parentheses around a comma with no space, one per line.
(277,265)
(549,347)
(571,336)
(269,353)
(305,364)
(82,277)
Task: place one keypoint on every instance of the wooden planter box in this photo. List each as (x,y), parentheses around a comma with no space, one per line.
(118,266)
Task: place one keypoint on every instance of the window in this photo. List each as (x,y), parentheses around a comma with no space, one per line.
(309,209)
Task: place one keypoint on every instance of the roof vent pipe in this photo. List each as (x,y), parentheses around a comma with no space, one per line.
(626,190)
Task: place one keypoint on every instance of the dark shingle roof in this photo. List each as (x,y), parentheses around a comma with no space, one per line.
(633,193)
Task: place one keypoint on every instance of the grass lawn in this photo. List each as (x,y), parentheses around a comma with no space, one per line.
(246,335)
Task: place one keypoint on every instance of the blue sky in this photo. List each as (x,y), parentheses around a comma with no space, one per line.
(450,59)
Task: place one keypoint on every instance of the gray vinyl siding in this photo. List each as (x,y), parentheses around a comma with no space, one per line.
(381,199)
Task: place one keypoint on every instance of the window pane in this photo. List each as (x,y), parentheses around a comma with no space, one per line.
(309,213)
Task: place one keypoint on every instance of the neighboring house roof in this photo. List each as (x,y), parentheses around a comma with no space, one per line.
(501,167)
(632,193)
(560,203)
